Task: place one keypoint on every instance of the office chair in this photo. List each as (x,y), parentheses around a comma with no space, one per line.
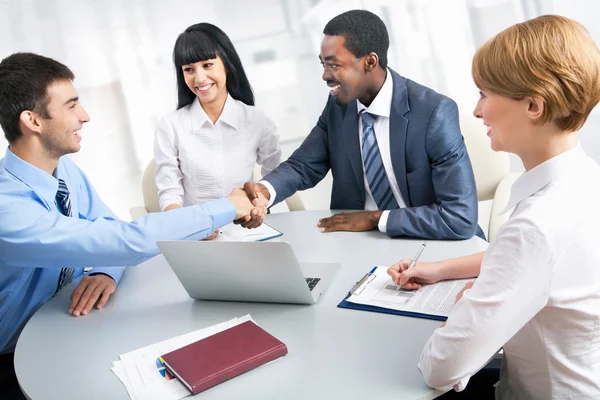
(493,178)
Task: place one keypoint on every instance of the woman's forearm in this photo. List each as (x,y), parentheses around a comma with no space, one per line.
(462,267)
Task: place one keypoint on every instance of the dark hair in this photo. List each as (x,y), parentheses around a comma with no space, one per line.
(24,82)
(205,41)
(364,31)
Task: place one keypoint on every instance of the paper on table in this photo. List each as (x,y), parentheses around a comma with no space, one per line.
(235,233)
(139,372)
(437,299)
(119,371)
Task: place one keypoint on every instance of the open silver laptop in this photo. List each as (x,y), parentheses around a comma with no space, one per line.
(252,271)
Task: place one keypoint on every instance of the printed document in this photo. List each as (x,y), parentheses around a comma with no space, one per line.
(143,374)
(380,291)
(236,233)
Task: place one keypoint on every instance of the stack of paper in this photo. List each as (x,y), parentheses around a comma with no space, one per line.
(142,373)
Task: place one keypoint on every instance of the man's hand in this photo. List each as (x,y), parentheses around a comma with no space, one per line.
(254,190)
(459,296)
(246,213)
(354,222)
(88,291)
(259,195)
(422,272)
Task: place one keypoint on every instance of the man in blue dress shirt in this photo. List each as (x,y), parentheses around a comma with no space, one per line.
(52,221)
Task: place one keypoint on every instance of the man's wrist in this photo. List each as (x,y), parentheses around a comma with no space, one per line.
(264,191)
(270,193)
(375,216)
(101,273)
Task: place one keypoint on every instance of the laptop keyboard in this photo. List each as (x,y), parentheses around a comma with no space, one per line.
(312,282)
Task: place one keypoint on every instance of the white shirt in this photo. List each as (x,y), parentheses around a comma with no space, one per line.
(537,295)
(197,161)
(380,106)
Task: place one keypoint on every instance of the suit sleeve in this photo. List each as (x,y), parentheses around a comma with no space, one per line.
(307,166)
(454,215)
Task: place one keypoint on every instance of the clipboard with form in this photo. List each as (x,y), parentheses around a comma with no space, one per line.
(377,292)
(236,233)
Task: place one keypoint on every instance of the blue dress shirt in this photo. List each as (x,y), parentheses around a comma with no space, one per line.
(36,240)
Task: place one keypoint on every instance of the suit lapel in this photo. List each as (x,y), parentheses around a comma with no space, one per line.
(350,132)
(398,128)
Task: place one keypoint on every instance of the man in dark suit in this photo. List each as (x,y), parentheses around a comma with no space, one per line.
(394,147)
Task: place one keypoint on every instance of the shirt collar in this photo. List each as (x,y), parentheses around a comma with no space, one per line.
(229,115)
(539,177)
(382,103)
(44,184)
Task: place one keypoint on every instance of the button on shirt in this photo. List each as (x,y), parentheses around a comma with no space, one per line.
(197,161)
(36,240)
(381,107)
(537,295)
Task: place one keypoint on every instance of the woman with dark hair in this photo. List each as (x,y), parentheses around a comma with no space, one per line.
(210,144)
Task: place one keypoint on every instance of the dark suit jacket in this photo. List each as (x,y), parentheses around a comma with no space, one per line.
(429,158)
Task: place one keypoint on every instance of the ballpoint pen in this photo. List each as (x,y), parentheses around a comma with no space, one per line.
(415,259)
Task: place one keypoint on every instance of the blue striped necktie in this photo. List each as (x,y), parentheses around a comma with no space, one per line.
(373,164)
(63,202)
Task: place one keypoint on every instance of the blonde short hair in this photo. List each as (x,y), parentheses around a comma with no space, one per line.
(550,57)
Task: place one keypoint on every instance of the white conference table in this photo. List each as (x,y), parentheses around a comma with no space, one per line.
(333,352)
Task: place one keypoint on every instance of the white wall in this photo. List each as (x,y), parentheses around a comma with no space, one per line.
(120,51)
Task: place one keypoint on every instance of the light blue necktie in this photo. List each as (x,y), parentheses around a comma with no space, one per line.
(374,170)
(63,202)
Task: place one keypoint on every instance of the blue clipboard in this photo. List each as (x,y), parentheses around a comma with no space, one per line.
(271,237)
(266,236)
(363,307)
(275,234)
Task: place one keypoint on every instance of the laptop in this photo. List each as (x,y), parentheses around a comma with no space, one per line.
(246,271)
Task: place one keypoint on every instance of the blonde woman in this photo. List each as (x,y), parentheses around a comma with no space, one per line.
(538,291)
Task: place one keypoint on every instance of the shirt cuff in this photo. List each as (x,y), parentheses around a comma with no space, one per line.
(272,192)
(114,272)
(382,225)
(222,212)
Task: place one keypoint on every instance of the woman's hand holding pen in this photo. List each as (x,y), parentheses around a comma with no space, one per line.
(412,278)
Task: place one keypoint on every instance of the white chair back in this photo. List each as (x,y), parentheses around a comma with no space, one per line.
(489,166)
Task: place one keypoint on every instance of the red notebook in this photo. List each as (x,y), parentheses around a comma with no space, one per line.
(222,356)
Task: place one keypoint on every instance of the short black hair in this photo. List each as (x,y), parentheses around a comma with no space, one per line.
(24,82)
(364,31)
(202,42)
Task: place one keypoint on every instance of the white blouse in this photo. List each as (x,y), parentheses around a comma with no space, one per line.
(197,161)
(537,295)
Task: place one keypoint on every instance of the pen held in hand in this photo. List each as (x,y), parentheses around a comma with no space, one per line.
(415,259)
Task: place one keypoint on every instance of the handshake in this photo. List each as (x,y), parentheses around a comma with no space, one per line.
(250,201)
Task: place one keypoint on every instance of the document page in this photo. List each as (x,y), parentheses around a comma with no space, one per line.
(143,374)
(235,233)
(380,291)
